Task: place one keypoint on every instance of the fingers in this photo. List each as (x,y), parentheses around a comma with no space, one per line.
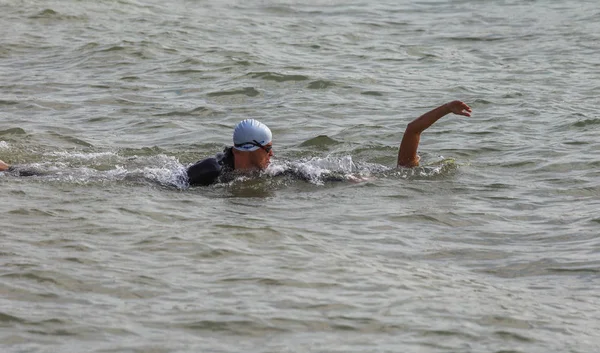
(466,110)
(461,108)
(462,105)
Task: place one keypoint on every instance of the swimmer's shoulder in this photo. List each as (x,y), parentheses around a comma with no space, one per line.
(204,172)
(207,171)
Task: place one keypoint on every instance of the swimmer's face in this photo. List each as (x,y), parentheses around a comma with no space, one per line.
(262,156)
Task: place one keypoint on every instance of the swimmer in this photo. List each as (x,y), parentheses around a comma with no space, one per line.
(251,151)
(252,146)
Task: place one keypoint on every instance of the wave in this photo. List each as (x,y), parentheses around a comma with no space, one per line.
(277,77)
(103,167)
(50,14)
(247,91)
(166,170)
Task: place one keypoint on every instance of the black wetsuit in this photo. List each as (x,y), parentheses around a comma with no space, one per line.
(209,170)
(25,172)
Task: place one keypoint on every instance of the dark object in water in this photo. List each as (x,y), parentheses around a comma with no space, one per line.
(24,172)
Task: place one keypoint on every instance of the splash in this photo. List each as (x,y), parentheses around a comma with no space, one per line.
(112,167)
(439,168)
(320,170)
(105,167)
(81,156)
(328,169)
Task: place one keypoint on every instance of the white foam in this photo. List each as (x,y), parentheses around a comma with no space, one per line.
(166,176)
(4,145)
(81,156)
(165,170)
(275,168)
(317,170)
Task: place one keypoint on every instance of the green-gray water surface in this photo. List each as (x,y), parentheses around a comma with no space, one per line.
(491,246)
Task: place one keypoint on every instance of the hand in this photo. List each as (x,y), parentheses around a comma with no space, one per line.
(459,108)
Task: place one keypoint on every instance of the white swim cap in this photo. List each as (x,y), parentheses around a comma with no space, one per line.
(249,132)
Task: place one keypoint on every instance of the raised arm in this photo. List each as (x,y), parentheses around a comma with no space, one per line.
(3,166)
(407,154)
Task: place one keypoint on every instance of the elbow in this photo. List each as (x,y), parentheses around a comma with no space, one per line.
(412,129)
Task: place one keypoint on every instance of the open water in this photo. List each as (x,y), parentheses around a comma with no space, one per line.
(492,245)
